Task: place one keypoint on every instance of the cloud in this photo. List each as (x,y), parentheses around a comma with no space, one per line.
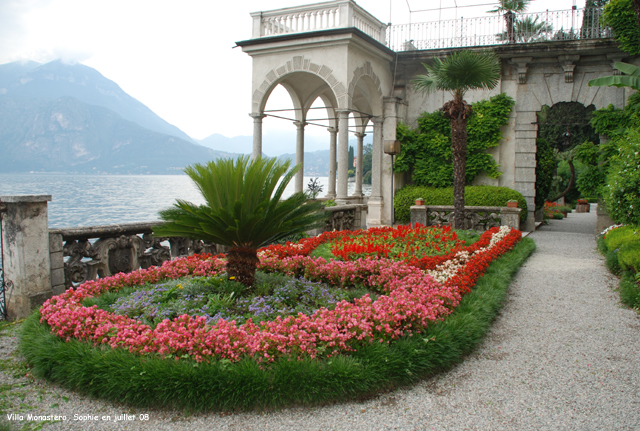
(13,29)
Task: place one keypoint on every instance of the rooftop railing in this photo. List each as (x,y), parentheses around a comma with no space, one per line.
(317,16)
(560,25)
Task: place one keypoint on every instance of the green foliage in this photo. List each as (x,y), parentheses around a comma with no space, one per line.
(622,192)
(149,381)
(473,196)
(630,290)
(631,79)
(629,256)
(563,117)
(545,168)
(617,237)
(244,205)
(620,15)
(426,151)
(367,155)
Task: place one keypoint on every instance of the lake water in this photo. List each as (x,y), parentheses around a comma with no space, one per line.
(93,200)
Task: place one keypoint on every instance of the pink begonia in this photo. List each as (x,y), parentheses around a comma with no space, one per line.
(411,300)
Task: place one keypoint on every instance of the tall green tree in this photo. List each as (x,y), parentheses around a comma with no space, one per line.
(457,73)
(243,210)
(509,9)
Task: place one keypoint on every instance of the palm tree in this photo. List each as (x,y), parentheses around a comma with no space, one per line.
(241,210)
(525,30)
(509,8)
(457,73)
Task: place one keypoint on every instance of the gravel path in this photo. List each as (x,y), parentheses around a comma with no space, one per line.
(563,355)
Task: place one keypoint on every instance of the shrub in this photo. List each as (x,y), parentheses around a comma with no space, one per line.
(622,193)
(473,196)
(629,256)
(617,237)
(630,290)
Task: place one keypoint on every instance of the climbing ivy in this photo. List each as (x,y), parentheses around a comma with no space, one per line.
(621,16)
(426,151)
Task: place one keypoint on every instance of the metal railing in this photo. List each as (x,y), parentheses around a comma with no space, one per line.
(561,25)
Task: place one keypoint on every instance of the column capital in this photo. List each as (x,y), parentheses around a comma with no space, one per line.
(257,115)
(300,124)
(360,135)
(332,129)
(343,112)
(377,120)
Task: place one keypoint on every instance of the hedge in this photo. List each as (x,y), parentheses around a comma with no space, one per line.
(473,196)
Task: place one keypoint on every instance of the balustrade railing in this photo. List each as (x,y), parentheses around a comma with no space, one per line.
(493,30)
(317,16)
(87,253)
(476,218)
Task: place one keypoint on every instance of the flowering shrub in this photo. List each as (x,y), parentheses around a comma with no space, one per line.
(416,293)
(397,243)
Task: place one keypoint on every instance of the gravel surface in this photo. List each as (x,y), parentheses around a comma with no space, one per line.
(563,355)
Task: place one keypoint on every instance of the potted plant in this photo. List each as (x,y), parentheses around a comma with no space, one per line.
(512,203)
(419,201)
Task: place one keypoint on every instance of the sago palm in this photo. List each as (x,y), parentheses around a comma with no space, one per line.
(458,73)
(243,210)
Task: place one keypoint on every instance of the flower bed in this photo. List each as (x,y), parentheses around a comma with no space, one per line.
(416,293)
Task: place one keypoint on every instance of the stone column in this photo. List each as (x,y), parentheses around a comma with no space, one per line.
(358,191)
(374,214)
(299,181)
(257,135)
(343,156)
(333,134)
(25,253)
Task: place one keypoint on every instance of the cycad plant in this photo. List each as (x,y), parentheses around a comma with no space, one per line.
(243,210)
(457,73)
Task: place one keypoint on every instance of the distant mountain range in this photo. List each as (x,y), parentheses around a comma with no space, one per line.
(59,117)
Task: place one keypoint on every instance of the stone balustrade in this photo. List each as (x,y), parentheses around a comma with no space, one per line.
(315,17)
(86,253)
(476,218)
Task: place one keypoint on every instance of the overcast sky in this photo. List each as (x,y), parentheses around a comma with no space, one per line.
(177,57)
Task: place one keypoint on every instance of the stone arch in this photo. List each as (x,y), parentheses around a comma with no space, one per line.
(300,65)
(366,81)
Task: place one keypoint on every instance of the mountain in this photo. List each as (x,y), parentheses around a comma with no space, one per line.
(316,163)
(275,143)
(68,135)
(30,80)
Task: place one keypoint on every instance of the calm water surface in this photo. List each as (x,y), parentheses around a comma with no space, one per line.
(92,200)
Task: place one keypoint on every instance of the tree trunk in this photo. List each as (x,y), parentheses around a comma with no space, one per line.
(572,181)
(241,264)
(510,19)
(459,150)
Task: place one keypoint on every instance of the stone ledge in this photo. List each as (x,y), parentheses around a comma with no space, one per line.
(18,199)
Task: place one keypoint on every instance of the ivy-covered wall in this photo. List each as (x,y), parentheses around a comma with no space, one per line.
(426,151)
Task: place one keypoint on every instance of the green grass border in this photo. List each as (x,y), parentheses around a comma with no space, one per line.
(628,288)
(120,376)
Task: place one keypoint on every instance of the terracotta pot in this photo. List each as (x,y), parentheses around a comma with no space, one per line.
(512,204)
(419,201)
